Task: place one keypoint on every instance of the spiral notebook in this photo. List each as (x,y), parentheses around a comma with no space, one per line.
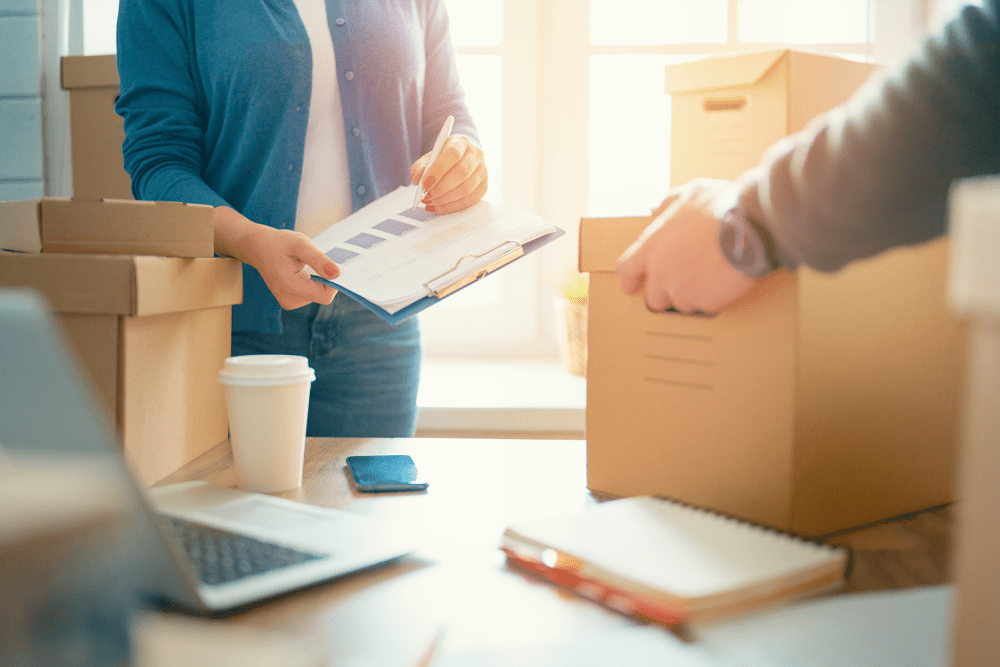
(671,563)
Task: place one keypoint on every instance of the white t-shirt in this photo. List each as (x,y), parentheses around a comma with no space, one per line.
(325,188)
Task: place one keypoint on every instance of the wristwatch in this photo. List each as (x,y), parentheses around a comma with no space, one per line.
(746,244)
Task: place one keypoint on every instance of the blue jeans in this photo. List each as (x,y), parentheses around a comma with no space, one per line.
(367,371)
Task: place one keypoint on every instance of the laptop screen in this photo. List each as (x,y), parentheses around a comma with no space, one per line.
(47,407)
(45,403)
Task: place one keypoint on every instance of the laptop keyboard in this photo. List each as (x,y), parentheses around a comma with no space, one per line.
(219,556)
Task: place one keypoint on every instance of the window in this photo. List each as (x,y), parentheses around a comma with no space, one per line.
(99,23)
(505,315)
(601,135)
(568,97)
(632,40)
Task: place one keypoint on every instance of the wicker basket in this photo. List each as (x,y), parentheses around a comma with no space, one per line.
(571,318)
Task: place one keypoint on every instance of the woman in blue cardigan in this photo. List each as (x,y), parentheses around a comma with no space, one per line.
(287,115)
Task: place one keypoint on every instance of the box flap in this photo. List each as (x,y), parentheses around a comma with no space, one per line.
(740,69)
(19,226)
(89,72)
(127,227)
(603,240)
(125,284)
(74,283)
(169,284)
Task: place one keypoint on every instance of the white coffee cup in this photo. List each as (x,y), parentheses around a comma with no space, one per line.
(267,398)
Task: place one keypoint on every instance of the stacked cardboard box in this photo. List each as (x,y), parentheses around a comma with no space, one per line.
(96,131)
(115,226)
(814,404)
(141,297)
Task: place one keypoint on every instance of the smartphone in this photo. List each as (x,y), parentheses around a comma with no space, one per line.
(387,472)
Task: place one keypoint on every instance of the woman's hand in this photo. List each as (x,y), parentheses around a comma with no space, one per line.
(280,255)
(456,180)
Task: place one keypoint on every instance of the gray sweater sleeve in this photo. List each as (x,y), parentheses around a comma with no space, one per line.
(874,173)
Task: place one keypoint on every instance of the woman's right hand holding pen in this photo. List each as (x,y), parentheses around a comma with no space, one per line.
(456,180)
(280,255)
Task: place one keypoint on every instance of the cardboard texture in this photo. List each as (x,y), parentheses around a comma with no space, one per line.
(96,131)
(153,332)
(815,403)
(974,292)
(977,560)
(111,226)
(726,111)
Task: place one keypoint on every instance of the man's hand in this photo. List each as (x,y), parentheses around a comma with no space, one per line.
(677,261)
(280,255)
(456,180)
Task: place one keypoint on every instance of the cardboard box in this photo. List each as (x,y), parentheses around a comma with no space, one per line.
(153,332)
(974,290)
(111,226)
(726,111)
(96,131)
(817,402)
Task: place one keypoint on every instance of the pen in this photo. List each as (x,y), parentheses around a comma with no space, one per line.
(438,145)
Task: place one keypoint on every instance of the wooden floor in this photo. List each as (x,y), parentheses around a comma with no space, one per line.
(914,550)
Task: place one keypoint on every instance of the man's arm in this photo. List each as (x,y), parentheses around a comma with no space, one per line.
(872,174)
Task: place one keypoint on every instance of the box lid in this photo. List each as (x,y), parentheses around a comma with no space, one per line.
(126,226)
(107,226)
(19,228)
(739,69)
(131,285)
(603,240)
(89,72)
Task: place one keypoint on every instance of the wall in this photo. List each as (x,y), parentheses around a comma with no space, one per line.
(21,163)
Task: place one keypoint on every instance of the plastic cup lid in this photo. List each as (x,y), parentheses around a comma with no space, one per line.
(261,369)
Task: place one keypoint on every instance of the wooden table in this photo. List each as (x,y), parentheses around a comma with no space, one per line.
(460,579)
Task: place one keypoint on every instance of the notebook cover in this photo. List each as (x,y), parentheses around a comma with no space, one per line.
(691,560)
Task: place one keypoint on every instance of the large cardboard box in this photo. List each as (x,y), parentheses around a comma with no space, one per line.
(111,226)
(96,131)
(153,332)
(817,402)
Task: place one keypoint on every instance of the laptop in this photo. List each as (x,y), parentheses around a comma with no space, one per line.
(193,545)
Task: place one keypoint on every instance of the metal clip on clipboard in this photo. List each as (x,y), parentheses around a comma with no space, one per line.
(465,279)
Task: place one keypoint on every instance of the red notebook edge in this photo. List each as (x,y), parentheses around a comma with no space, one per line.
(625,602)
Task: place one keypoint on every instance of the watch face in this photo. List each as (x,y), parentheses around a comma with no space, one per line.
(742,245)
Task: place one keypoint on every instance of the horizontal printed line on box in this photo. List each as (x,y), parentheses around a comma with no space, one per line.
(669,334)
(681,360)
(690,385)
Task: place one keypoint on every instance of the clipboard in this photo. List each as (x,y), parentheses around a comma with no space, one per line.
(458,283)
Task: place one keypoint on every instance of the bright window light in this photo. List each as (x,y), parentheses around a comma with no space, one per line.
(623,22)
(629,133)
(802,21)
(476,22)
